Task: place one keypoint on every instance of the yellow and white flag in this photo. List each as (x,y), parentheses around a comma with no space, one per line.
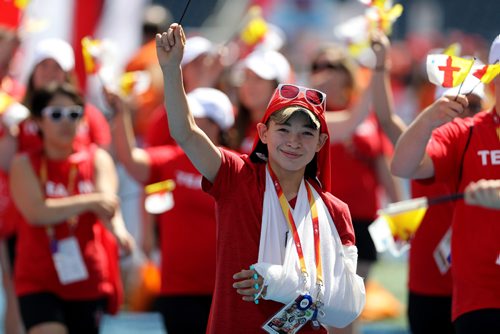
(447,71)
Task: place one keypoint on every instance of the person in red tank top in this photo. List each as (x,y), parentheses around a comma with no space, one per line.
(66,270)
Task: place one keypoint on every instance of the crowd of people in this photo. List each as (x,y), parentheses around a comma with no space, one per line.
(274,174)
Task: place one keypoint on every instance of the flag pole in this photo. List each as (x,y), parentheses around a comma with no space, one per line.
(184,12)
(445,198)
(462,83)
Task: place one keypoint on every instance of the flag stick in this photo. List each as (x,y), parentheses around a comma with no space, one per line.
(444,198)
(462,83)
(473,88)
(184,12)
(418,203)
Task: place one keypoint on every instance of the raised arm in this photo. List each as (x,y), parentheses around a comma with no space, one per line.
(201,151)
(410,158)
(134,159)
(383,102)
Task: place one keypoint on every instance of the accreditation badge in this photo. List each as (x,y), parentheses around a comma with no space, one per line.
(292,317)
(442,253)
(68,261)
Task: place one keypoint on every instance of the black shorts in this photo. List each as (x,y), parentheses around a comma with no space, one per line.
(485,321)
(79,316)
(429,314)
(366,248)
(184,314)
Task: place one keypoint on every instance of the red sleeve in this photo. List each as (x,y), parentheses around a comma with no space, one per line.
(99,131)
(446,147)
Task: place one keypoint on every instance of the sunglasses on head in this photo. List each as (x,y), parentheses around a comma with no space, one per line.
(290,92)
(315,67)
(56,113)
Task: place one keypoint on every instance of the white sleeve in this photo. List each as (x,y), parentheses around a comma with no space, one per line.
(344,301)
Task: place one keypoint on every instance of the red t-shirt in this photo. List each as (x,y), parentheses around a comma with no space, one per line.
(239,193)
(424,275)
(8,212)
(158,133)
(354,174)
(92,129)
(475,244)
(187,231)
(34,269)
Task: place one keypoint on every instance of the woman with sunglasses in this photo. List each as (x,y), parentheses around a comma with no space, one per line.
(271,259)
(54,61)
(66,271)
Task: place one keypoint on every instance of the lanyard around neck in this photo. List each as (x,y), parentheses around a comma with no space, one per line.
(285,207)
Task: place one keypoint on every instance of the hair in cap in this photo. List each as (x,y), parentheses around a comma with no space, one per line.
(319,167)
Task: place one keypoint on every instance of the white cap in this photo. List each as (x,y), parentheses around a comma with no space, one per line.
(213,104)
(57,49)
(195,47)
(268,64)
(495,51)
(471,85)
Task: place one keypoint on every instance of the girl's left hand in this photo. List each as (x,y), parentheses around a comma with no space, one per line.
(247,285)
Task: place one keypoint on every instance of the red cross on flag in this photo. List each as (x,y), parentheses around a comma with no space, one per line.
(447,71)
(486,73)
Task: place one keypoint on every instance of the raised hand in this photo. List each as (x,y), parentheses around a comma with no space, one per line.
(380,45)
(170,46)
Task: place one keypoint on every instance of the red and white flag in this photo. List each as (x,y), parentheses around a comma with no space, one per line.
(486,73)
(447,71)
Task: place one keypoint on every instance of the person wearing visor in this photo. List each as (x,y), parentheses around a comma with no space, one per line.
(255,77)
(284,243)
(66,270)
(54,61)
(187,228)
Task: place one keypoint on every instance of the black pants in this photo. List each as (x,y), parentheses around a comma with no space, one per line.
(80,317)
(429,314)
(184,314)
(485,321)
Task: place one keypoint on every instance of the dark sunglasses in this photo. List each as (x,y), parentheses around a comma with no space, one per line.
(290,92)
(56,113)
(315,67)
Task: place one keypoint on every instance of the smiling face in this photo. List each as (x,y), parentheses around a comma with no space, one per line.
(292,144)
